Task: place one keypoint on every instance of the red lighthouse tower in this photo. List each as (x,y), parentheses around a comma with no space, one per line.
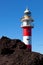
(27,25)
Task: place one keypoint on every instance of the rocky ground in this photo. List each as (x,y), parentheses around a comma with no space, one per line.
(14,52)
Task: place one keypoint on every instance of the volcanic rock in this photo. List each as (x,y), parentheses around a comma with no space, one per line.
(15,52)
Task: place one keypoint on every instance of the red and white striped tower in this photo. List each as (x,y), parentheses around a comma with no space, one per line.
(27,25)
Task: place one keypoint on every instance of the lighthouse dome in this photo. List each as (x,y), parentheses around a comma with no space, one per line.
(27,11)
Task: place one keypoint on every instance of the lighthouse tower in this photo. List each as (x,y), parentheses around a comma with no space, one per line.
(27,25)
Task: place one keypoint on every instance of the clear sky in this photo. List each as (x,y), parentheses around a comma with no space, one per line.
(10,13)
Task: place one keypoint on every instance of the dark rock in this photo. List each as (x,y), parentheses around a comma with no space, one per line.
(15,52)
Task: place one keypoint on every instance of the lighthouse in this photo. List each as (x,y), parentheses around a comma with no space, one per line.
(27,25)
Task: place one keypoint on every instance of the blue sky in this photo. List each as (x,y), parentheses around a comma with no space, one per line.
(10,13)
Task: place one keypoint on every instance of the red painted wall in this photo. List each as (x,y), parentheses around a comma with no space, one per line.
(27,31)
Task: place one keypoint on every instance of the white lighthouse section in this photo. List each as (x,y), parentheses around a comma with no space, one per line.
(26,24)
(27,40)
